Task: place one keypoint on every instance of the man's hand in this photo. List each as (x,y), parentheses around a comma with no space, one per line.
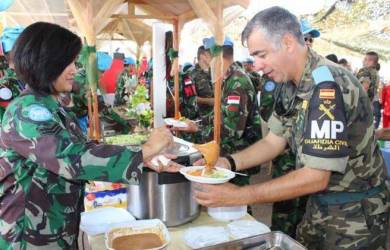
(223,195)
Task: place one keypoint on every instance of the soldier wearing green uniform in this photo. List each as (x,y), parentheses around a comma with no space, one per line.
(368,75)
(201,77)
(124,83)
(240,118)
(45,158)
(253,75)
(326,118)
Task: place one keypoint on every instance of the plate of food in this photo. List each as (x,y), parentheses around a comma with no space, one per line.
(216,176)
(178,123)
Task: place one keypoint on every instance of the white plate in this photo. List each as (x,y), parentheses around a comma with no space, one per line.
(229,175)
(245,228)
(175,123)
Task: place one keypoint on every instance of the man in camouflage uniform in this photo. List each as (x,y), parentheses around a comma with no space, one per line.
(253,75)
(325,116)
(125,83)
(240,121)
(188,104)
(369,78)
(286,215)
(201,76)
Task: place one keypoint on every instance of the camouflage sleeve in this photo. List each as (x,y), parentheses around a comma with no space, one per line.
(277,126)
(202,84)
(236,106)
(47,143)
(368,81)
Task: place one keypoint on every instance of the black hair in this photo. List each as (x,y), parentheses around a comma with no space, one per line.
(332,57)
(374,54)
(202,50)
(42,52)
(227,52)
(343,61)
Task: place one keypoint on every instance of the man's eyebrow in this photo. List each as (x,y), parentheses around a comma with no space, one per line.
(256,52)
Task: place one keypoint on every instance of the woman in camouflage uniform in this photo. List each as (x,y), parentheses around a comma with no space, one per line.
(45,158)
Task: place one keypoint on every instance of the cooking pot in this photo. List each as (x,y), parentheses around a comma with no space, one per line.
(165,196)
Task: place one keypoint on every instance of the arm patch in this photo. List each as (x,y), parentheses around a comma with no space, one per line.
(325,133)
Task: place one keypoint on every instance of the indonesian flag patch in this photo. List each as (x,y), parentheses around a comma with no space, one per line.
(187,81)
(233,99)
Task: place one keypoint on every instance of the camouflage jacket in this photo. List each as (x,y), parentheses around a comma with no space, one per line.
(122,91)
(45,161)
(240,119)
(188,104)
(328,123)
(10,82)
(369,77)
(204,87)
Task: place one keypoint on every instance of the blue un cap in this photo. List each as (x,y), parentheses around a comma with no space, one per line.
(307,29)
(210,42)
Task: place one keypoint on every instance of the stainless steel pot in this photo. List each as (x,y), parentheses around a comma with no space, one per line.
(166,196)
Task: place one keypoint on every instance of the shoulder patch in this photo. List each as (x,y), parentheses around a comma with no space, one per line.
(269,86)
(5,94)
(38,113)
(322,74)
(233,99)
(325,133)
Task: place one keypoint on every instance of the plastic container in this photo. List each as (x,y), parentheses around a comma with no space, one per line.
(227,213)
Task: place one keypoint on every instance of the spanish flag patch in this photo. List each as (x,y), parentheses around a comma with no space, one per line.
(327,94)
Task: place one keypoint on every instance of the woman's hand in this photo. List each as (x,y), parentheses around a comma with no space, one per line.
(190,128)
(160,138)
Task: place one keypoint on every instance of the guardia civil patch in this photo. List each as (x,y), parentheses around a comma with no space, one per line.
(269,86)
(39,113)
(325,134)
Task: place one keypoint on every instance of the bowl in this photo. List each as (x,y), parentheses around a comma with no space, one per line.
(228,175)
(227,213)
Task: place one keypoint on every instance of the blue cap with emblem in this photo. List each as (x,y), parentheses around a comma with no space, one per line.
(129,61)
(9,37)
(306,28)
(104,60)
(210,42)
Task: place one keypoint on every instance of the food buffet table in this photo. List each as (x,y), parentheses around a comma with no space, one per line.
(97,242)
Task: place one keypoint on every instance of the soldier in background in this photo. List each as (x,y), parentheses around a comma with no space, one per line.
(253,75)
(309,33)
(369,78)
(125,83)
(201,77)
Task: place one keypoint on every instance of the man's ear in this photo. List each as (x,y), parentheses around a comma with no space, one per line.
(288,42)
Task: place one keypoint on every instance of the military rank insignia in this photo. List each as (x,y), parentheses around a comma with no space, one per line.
(325,133)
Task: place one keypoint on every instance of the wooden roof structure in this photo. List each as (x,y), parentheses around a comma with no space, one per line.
(91,18)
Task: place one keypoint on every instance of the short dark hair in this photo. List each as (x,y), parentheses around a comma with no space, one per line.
(332,57)
(227,52)
(275,22)
(373,54)
(343,61)
(202,50)
(42,52)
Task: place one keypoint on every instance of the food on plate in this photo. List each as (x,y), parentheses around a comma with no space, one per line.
(133,139)
(210,152)
(213,174)
(137,241)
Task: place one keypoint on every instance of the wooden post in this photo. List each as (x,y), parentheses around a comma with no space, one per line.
(219,38)
(175,65)
(83,14)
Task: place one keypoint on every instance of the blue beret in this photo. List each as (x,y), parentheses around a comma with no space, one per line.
(104,60)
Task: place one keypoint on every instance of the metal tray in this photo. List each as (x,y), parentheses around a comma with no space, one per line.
(268,241)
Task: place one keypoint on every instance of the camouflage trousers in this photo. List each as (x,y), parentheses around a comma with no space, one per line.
(346,226)
(286,215)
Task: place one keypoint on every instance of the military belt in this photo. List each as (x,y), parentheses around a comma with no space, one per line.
(339,198)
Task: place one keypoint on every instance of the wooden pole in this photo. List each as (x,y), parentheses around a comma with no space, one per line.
(219,37)
(176,37)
